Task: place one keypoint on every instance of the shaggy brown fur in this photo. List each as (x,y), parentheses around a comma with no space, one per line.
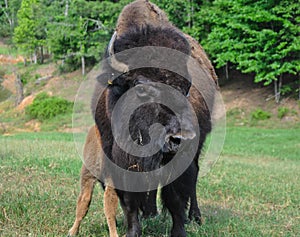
(141,13)
(198,53)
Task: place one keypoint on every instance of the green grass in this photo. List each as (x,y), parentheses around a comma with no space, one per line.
(253,190)
(7,50)
(283,144)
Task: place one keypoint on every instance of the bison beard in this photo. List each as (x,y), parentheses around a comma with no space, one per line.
(176,195)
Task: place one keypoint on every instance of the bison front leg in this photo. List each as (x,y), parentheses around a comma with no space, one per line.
(173,202)
(175,198)
(87,182)
(194,212)
(130,208)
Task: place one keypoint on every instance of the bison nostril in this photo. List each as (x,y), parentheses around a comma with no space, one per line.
(172,144)
(175,140)
(183,135)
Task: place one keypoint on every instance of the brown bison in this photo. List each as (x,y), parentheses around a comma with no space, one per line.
(143,24)
(93,155)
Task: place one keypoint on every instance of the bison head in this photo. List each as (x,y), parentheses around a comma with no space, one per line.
(152,122)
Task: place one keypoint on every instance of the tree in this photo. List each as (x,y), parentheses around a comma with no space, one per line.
(8,15)
(81,35)
(30,34)
(255,36)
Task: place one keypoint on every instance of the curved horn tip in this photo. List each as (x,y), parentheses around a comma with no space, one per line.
(115,64)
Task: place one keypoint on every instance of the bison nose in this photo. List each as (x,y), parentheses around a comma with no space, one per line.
(172,141)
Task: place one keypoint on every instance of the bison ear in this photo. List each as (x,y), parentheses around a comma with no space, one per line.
(105,79)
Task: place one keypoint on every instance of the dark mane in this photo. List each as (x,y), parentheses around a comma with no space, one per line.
(168,37)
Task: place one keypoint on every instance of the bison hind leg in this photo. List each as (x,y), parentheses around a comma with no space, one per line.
(110,210)
(87,182)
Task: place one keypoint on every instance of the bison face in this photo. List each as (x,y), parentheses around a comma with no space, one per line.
(142,96)
(147,105)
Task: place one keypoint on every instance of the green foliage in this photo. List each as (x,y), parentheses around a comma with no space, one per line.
(286,89)
(260,114)
(4,27)
(8,16)
(30,32)
(70,64)
(25,77)
(82,31)
(45,107)
(255,36)
(282,111)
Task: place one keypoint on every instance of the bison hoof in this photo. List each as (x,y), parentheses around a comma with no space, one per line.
(72,233)
(195,216)
(179,234)
(197,219)
(133,233)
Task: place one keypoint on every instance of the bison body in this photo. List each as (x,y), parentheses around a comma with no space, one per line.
(143,24)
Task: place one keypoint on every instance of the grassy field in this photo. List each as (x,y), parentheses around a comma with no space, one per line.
(254,189)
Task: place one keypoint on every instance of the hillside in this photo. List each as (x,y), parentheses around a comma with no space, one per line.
(241,96)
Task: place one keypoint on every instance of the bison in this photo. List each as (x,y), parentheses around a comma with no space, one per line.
(93,156)
(143,24)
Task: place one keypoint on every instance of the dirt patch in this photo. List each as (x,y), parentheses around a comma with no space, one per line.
(65,86)
(27,101)
(241,94)
(46,70)
(33,125)
(4,59)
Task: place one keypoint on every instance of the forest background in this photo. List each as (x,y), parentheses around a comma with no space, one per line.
(259,37)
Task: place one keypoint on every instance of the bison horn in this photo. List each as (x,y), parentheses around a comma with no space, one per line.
(114,63)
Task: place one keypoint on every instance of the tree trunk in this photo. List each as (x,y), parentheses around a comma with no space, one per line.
(42,54)
(277,89)
(8,16)
(19,90)
(227,71)
(35,57)
(67,8)
(83,65)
